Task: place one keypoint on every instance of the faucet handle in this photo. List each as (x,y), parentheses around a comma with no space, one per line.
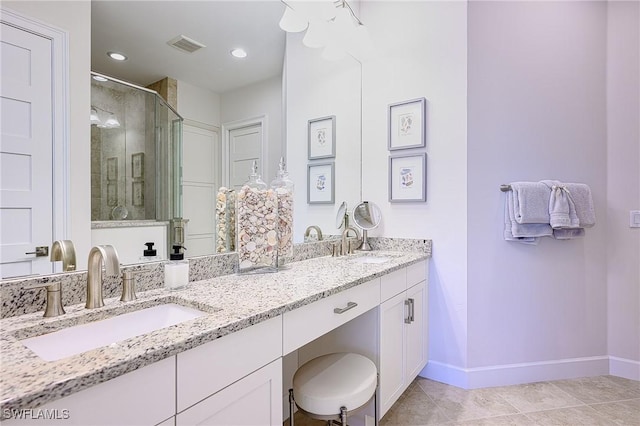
(128,286)
(53,306)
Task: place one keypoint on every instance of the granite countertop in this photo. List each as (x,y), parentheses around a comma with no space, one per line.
(232,302)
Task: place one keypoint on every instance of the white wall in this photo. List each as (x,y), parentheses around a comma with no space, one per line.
(75,18)
(198,104)
(318,88)
(262,98)
(623,187)
(421,51)
(537,110)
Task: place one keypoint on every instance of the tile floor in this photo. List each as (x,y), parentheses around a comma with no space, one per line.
(602,400)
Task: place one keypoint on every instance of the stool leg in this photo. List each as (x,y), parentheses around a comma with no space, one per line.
(291,407)
(343,416)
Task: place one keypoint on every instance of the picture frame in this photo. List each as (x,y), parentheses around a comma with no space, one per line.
(408,178)
(112,194)
(137,165)
(112,168)
(321,183)
(137,193)
(406,124)
(321,137)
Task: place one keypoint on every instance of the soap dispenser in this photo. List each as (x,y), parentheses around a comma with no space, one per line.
(150,254)
(176,271)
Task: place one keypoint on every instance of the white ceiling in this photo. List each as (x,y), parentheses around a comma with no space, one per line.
(141,30)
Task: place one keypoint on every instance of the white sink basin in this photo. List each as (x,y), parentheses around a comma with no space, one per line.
(84,337)
(372,259)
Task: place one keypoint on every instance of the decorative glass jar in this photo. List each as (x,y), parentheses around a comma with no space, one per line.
(257,217)
(283,187)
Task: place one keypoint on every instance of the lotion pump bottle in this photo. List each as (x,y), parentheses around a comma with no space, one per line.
(176,272)
(150,254)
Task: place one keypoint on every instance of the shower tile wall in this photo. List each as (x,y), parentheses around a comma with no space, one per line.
(112,149)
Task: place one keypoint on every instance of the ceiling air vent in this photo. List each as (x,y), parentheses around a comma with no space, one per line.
(185,44)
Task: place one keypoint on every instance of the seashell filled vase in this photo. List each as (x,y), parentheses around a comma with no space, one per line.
(256,226)
(283,187)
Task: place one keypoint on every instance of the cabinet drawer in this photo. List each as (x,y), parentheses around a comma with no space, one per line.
(305,324)
(392,284)
(416,273)
(208,368)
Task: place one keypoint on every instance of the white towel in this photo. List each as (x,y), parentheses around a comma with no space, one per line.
(527,233)
(568,233)
(570,205)
(530,202)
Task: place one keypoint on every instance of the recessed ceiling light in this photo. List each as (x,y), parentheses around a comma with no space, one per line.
(99,78)
(238,53)
(117,56)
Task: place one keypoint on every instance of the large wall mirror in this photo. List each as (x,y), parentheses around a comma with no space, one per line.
(312,87)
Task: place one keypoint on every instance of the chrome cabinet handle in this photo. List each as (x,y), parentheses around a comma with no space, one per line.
(412,310)
(350,305)
(40,251)
(407,303)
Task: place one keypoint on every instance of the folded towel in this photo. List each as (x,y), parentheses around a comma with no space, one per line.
(562,210)
(570,205)
(527,233)
(581,196)
(530,202)
(568,233)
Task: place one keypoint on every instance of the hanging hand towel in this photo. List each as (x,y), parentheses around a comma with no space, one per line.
(530,202)
(562,210)
(522,232)
(581,196)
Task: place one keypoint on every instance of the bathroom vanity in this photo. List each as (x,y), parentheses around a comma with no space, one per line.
(234,363)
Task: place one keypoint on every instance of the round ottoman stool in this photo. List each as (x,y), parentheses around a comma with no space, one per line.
(332,386)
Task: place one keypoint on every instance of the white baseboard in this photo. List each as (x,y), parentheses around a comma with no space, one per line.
(627,368)
(513,374)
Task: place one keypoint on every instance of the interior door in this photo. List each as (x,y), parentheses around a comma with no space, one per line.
(26,152)
(200,182)
(245,145)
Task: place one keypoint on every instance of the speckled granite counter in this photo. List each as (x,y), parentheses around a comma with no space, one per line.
(233,302)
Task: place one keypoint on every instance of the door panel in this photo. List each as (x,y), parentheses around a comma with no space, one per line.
(200,181)
(26,151)
(416,332)
(245,146)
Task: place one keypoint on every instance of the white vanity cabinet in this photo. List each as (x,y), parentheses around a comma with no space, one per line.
(141,397)
(403,331)
(235,380)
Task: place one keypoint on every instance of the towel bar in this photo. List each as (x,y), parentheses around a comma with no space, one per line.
(505,188)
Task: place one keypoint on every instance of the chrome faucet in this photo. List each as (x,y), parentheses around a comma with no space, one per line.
(313,227)
(347,248)
(97,256)
(63,250)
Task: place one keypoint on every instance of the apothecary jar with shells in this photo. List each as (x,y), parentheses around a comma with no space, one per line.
(257,216)
(283,187)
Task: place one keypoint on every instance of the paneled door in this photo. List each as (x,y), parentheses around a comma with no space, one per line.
(26,152)
(245,145)
(200,181)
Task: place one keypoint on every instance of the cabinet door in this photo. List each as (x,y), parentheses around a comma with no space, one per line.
(253,400)
(416,332)
(392,336)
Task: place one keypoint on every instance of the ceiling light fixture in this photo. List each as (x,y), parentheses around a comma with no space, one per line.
(100,78)
(110,123)
(238,53)
(117,56)
(332,25)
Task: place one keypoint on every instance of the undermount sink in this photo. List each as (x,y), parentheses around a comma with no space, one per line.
(84,337)
(371,259)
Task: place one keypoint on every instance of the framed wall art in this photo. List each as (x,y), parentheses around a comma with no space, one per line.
(112,194)
(322,137)
(320,183)
(407,124)
(112,168)
(137,165)
(137,193)
(407,178)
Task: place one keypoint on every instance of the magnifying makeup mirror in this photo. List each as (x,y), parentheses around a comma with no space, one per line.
(342,217)
(367,216)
